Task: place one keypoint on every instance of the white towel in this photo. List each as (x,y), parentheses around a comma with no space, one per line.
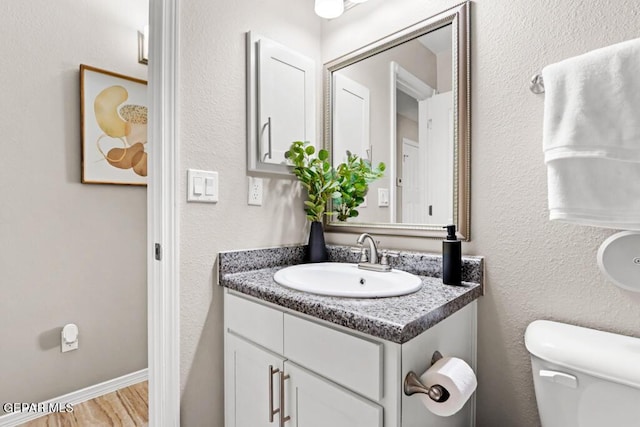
(592,104)
(591,137)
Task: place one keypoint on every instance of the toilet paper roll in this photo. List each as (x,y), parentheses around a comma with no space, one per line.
(457,377)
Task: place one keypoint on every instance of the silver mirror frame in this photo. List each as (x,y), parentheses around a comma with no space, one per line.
(458,17)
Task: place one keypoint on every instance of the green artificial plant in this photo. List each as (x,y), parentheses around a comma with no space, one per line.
(345,186)
(317,177)
(354,177)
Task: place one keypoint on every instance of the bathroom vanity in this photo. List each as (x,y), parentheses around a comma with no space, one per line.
(299,359)
(295,358)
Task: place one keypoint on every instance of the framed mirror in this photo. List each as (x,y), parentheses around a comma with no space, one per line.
(405,101)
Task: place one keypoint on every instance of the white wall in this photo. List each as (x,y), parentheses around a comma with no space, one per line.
(535,269)
(212,133)
(445,75)
(68,252)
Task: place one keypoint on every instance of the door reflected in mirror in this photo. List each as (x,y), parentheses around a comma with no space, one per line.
(404,101)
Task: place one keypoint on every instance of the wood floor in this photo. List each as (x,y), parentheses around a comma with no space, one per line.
(127,407)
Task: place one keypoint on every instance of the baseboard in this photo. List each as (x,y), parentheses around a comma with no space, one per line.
(77,397)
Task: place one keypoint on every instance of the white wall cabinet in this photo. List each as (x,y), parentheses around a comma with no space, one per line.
(330,375)
(281,104)
(351,116)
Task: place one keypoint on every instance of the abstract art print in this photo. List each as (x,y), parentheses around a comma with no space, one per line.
(114,127)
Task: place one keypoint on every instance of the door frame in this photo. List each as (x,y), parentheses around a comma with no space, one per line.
(403,80)
(163,282)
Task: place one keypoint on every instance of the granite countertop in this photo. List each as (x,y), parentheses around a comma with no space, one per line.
(396,319)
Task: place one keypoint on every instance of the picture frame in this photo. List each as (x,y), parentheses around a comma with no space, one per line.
(113,116)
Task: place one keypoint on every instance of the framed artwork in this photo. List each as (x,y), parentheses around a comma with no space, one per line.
(114,127)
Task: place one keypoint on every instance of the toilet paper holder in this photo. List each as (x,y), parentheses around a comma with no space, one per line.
(412,384)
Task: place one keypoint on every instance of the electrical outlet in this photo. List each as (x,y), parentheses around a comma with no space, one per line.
(69,338)
(255,191)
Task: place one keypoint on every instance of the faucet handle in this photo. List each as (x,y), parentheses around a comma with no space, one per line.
(385,254)
(363,253)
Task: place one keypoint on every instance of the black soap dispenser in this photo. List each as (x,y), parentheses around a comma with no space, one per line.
(451,258)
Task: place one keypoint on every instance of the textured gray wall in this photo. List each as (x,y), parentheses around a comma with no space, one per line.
(213,137)
(68,252)
(536,269)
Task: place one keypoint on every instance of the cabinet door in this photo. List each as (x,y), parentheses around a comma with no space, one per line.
(248,384)
(313,401)
(286,97)
(351,114)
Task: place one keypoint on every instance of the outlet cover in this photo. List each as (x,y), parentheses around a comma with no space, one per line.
(69,338)
(255,191)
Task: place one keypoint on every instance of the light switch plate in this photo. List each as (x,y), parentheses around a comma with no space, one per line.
(383,197)
(202,186)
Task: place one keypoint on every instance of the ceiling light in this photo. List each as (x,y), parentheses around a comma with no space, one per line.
(329,9)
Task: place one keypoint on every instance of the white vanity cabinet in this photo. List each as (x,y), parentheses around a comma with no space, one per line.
(248,388)
(313,401)
(317,374)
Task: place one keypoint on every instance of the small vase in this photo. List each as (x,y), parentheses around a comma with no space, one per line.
(317,250)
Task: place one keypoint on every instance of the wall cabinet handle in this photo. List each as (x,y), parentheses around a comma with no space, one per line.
(283,418)
(272,411)
(267,125)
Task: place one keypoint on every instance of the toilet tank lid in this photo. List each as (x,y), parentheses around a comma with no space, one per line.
(600,354)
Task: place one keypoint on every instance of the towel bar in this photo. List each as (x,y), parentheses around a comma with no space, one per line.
(536,84)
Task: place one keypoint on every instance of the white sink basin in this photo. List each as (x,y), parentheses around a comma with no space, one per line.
(347,280)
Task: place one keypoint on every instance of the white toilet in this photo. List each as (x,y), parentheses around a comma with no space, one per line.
(584,377)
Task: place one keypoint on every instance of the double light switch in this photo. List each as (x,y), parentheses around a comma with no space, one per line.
(202,186)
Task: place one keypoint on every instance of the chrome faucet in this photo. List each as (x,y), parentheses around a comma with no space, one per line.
(373,249)
(375,261)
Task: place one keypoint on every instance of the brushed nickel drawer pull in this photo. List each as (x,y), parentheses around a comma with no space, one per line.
(283,418)
(272,411)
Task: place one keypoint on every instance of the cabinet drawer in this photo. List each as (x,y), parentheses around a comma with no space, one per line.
(353,362)
(254,321)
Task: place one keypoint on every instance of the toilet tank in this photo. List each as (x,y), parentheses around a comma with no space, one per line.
(583,377)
